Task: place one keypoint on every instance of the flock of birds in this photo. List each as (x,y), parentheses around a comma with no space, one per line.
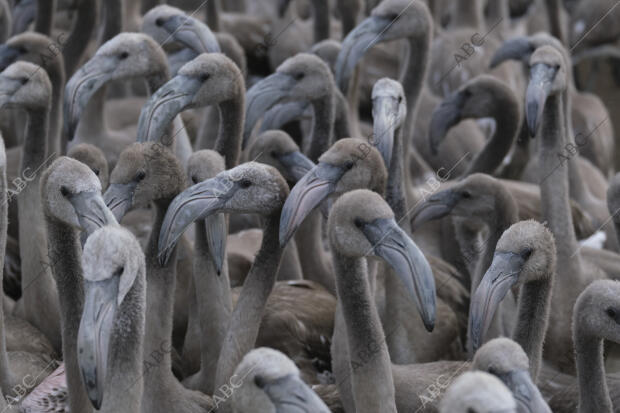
(309,206)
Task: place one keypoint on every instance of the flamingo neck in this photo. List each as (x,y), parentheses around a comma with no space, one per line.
(232,117)
(593,390)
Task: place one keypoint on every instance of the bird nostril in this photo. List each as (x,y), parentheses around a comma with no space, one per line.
(159,22)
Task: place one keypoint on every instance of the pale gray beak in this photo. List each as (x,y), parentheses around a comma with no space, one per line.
(306,195)
(385,122)
(196,202)
(82,86)
(8,55)
(24,13)
(437,206)
(541,78)
(355,45)
(289,394)
(191,33)
(92,211)
(94,335)
(167,102)
(262,96)
(445,116)
(518,48)
(296,165)
(215,227)
(497,281)
(119,198)
(8,87)
(392,244)
(526,394)
(283,113)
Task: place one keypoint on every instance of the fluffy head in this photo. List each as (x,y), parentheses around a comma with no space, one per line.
(25,85)
(94,158)
(551,57)
(407,18)
(270,145)
(314,79)
(479,392)
(500,356)
(204,164)
(597,312)
(221,80)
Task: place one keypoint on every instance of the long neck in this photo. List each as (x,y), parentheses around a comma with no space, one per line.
(159,305)
(247,315)
(228,142)
(507,126)
(113,16)
(85,23)
(413,78)
(395,192)
(93,117)
(45,16)
(532,318)
(312,254)
(593,391)
(64,259)
(554,186)
(213,15)
(469,14)
(342,129)
(56,72)
(371,371)
(124,379)
(324,113)
(554,16)
(5,369)
(214,305)
(321,20)
(38,290)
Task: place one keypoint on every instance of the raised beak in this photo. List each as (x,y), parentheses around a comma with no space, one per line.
(290,394)
(385,120)
(8,55)
(445,116)
(196,202)
(24,13)
(437,206)
(94,335)
(392,244)
(283,113)
(119,197)
(306,195)
(541,77)
(355,46)
(518,48)
(167,102)
(262,96)
(526,394)
(92,211)
(82,86)
(192,33)
(499,278)
(215,227)
(296,165)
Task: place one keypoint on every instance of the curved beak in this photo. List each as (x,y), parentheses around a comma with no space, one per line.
(167,102)
(8,87)
(94,335)
(385,121)
(215,228)
(24,13)
(355,45)
(283,113)
(518,48)
(541,78)
(306,195)
(526,394)
(119,197)
(82,86)
(191,33)
(392,244)
(290,393)
(262,96)
(296,165)
(445,116)
(196,202)
(437,206)
(8,55)
(499,278)
(92,211)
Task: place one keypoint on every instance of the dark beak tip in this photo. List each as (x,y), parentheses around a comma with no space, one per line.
(430,326)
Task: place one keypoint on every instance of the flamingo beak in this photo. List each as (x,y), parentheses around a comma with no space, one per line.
(216,232)
(525,392)
(92,211)
(24,13)
(82,86)
(392,244)
(437,206)
(283,113)
(518,48)
(119,198)
(8,87)
(368,33)
(497,281)
(306,195)
(8,55)
(262,96)
(94,335)
(196,202)
(166,103)
(290,393)
(445,116)
(541,78)
(191,33)
(385,121)
(296,165)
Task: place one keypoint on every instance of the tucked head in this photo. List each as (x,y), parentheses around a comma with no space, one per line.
(477,392)
(25,85)
(94,158)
